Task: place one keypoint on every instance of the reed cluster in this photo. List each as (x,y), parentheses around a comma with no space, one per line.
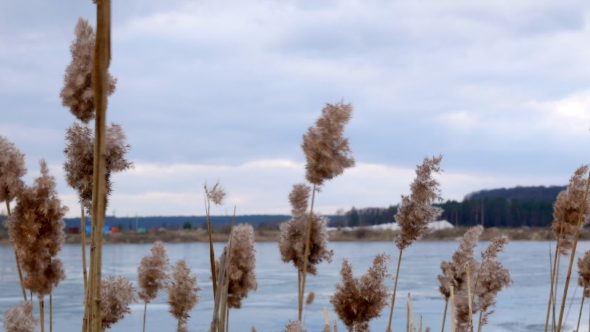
(183,294)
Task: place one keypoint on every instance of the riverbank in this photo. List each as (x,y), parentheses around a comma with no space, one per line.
(358,235)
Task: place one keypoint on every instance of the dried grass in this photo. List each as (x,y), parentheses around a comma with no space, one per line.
(12,169)
(293,234)
(566,211)
(20,318)
(416,210)
(326,149)
(183,293)
(79,166)
(358,300)
(36,231)
(295,327)
(117,293)
(77,93)
(584,273)
(242,261)
(152,272)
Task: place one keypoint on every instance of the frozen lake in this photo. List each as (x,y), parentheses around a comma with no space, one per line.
(519,308)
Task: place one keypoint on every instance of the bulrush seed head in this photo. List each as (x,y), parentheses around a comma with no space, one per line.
(80,159)
(20,318)
(416,210)
(358,300)
(12,168)
(292,240)
(326,149)
(216,194)
(77,93)
(566,210)
(183,293)
(36,230)
(153,272)
(117,294)
(584,273)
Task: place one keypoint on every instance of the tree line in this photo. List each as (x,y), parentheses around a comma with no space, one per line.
(489,212)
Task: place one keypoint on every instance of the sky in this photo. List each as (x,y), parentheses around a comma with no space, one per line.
(224,90)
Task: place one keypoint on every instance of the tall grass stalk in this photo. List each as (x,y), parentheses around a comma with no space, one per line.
(102,56)
(42,315)
(469,297)
(306,253)
(444,315)
(573,253)
(83,242)
(551,276)
(20,273)
(581,306)
(399,260)
(452,310)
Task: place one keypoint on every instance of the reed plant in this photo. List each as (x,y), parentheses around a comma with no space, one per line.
(415,212)
(215,195)
(327,153)
(152,275)
(20,318)
(183,294)
(583,281)
(295,326)
(36,231)
(117,294)
(12,169)
(359,300)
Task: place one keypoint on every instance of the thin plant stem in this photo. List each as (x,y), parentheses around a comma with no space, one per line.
(567,315)
(20,274)
(573,253)
(581,306)
(551,275)
(42,315)
(452,310)
(557,265)
(50,313)
(83,242)
(399,260)
(144,313)
(445,315)
(211,252)
(306,253)
(469,297)
(479,321)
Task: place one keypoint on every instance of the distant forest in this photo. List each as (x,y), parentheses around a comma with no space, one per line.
(513,207)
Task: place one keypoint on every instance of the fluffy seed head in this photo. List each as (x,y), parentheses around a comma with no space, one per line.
(416,210)
(567,208)
(241,265)
(584,273)
(20,318)
(295,327)
(153,272)
(216,194)
(357,301)
(117,293)
(12,168)
(80,159)
(326,150)
(183,293)
(292,240)
(36,232)
(77,93)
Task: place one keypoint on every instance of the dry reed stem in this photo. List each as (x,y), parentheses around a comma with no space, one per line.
(452,310)
(552,274)
(444,315)
(399,260)
(83,243)
(573,252)
(42,314)
(306,252)
(102,56)
(20,273)
(215,194)
(581,306)
(469,297)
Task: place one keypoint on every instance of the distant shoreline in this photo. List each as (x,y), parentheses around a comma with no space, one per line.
(359,235)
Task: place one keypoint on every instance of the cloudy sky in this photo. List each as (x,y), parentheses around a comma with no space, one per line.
(224,90)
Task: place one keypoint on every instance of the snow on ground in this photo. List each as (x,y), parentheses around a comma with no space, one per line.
(434,225)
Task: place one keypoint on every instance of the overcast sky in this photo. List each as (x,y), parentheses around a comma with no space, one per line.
(224,90)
